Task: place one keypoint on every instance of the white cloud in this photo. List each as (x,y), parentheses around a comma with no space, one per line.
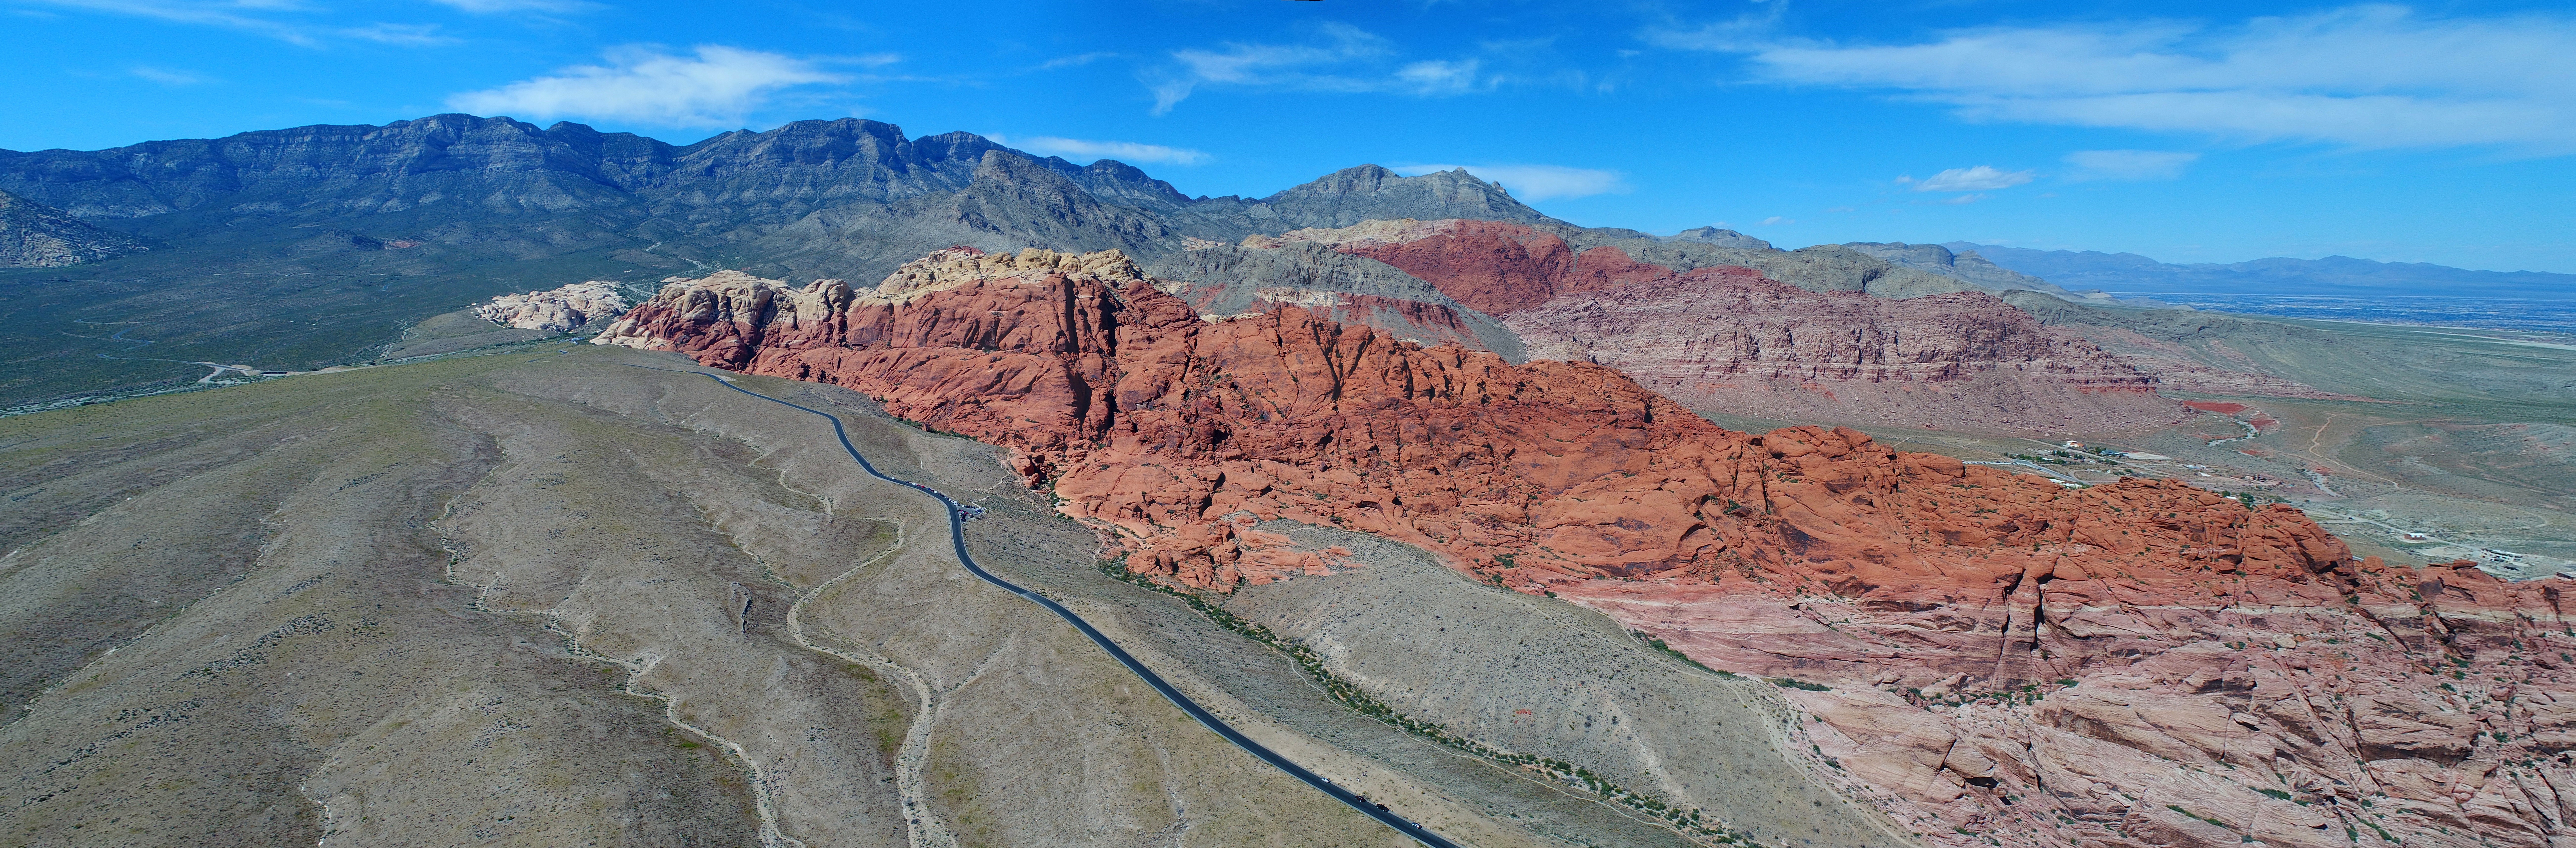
(1125,151)
(1346,58)
(166,77)
(717,86)
(2128,164)
(1979,178)
(1536,182)
(2367,76)
(1774,221)
(1437,77)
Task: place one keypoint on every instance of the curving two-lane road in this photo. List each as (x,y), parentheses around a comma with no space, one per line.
(957,536)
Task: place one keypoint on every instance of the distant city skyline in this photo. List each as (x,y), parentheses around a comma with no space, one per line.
(2184,132)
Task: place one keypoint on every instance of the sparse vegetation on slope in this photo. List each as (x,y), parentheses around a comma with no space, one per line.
(1690,822)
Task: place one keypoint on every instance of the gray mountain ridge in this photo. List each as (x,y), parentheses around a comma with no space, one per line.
(308,246)
(2333,275)
(311,246)
(1966,266)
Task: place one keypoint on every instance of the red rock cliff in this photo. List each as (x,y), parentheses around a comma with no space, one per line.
(1146,417)
(2235,675)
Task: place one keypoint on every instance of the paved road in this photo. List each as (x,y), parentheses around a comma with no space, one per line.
(957,536)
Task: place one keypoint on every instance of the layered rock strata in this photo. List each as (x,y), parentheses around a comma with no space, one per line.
(560,310)
(1732,341)
(2139,664)
(2140,695)
(1226,280)
(1729,340)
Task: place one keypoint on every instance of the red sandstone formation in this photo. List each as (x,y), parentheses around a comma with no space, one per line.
(1727,340)
(2138,694)
(2236,676)
(1428,323)
(1494,267)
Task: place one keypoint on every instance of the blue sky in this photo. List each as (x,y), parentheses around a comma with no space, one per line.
(2184,131)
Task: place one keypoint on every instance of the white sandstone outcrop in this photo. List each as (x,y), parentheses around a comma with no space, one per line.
(560,310)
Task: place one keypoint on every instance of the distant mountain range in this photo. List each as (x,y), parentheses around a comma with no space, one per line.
(297,248)
(2131,274)
(303,247)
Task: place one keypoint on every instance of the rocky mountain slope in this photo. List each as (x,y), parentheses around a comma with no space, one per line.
(2140,664)
(1741,344)
(1965,266)
(308,246)
(1702,325)
(1236,279)
(33,235)
(315,246)
(776,189)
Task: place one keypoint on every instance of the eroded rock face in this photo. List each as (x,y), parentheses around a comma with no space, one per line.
(1228,280)
(2152,697)
(1494,267)
(1729,340)
(2223,658)
(1150,418)
(560,310)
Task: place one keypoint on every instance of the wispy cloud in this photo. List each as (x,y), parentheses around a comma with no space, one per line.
(1774,221)
(2128,164)
(716,86)
(1076,60)
(1125,151)
(1751,30)
(166,77)
(2371,76)
(1536,182)
(1344,58)
(289,21)
(409,35)
(227,14)
(510,7)
(1979,178)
